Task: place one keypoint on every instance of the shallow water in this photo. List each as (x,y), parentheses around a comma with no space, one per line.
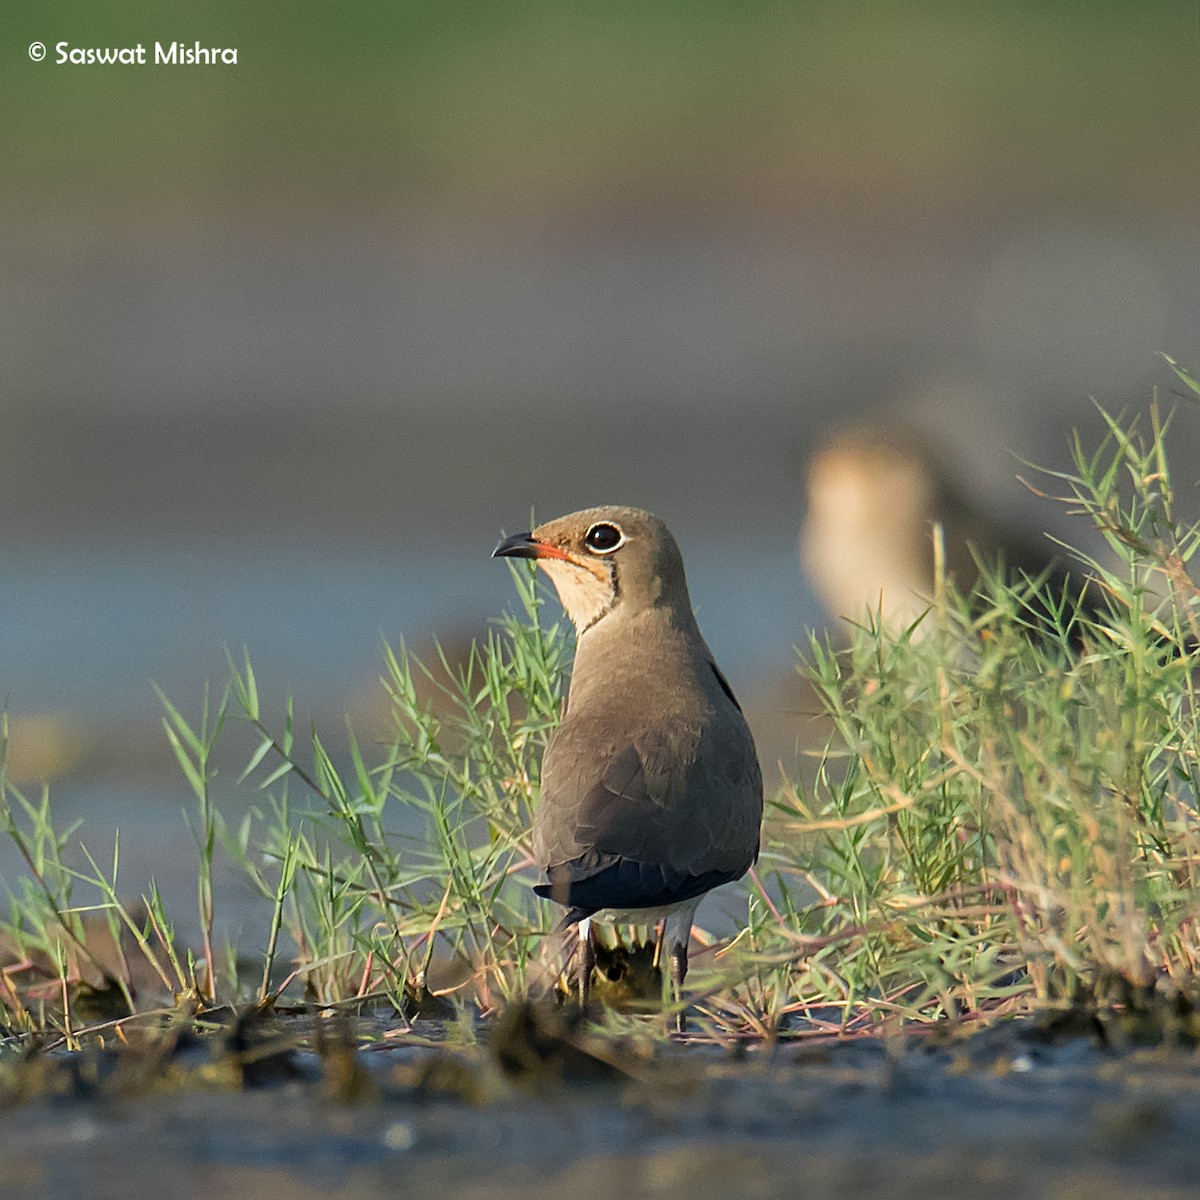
(89,628)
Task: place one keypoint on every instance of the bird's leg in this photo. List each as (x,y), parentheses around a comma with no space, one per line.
(679,966)
(677,933)
(587,959)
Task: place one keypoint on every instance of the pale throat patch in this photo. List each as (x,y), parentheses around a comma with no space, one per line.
(585,591)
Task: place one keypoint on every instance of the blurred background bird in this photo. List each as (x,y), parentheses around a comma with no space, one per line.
(883,509)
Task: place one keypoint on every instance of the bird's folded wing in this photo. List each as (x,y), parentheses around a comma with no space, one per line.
(661,805)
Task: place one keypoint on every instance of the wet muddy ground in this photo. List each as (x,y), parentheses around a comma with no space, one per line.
(1000,1114)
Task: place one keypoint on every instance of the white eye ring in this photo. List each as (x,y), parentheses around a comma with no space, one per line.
(600,532)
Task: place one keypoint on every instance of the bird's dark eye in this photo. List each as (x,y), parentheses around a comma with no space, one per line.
(603,538)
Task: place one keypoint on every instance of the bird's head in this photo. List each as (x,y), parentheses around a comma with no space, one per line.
(605,560)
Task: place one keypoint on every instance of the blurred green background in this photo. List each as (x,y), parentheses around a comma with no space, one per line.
(486,110)
(287,344)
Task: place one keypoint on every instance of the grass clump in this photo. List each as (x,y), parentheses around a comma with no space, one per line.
(1005,814)
(1002,819)
(416,851)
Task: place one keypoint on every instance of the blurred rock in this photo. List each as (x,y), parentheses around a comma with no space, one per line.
(437,665)
(784,713)
(94,963)
(44,746)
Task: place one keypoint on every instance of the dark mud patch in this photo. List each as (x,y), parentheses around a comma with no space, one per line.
(1004,1113)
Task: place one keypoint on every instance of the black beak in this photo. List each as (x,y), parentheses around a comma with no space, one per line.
(519,545)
